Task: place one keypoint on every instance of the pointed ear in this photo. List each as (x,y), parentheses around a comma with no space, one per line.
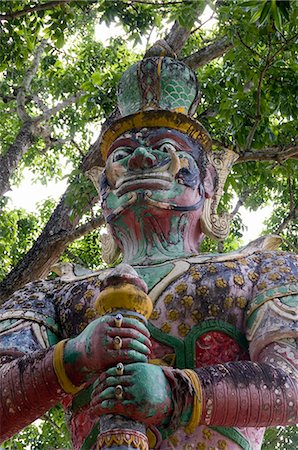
(209,181)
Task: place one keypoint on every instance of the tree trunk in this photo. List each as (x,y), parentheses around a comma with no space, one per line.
(10,160)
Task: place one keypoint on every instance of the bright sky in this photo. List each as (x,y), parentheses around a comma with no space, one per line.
(29,194)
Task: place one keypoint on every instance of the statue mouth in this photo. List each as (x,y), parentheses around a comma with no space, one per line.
(143,181)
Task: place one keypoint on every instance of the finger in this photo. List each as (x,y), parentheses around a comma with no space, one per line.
(124,380)
(126,356)
(128,322)
(135,345)
(106,394)
(129,333)
(108,404)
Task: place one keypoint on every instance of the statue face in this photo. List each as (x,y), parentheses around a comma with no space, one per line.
(153,167)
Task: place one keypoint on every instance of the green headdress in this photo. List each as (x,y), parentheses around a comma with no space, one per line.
(158,91)
(161,91)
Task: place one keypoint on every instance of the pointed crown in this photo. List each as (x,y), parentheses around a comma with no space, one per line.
(158,91)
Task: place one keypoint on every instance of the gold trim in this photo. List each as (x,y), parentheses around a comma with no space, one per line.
(154,119)
(127,438)
(197,402)
(59,368)
(127,296)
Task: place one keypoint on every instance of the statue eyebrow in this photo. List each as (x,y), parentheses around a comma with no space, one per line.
(123,142)
(175,140)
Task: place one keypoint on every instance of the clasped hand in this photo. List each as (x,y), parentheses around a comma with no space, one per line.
(94,355)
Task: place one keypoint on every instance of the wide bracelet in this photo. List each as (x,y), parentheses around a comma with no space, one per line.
(59,368)
(197,402)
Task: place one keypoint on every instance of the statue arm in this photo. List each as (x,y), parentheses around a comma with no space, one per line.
(260,392)
(28,382)
(28,388)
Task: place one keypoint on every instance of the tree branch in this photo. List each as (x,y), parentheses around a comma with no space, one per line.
(10,160)
(239,203)
(177,37)
(258,116)
(25,86)
(208,53)
(291,216)
(275,153)
(40,7)
(52,111)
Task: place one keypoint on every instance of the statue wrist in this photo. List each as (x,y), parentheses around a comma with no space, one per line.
(68,378)
(187,401)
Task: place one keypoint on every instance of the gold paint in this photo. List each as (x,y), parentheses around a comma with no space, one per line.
(262,285)
(203,290)
(241,302)
(181,288)
(228,302)
(59,368)
(155,119)
(187,301)
(222,444)
(197,401)
(183,329)
(201,446)
(196,316)
(168,299)
(155,314)
(221,283)
(127,297)
(166,328)
(89,294)
(274,276)
(253,276)
(174,440)
(207,434)
(238,279)
(173,314)
(90,313)
(213,310)
(125,438)
(212,269)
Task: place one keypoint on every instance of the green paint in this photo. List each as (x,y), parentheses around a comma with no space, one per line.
(251,319)
(90,440)
(175,191)
(152,275)
(176,343)
(53,339)
(82,399)
(235,436)
(185,349)
(280,292)
(291,301)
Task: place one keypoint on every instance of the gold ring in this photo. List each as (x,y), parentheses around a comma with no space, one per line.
(117,341)
(120,369)
(118,320)
(119,392)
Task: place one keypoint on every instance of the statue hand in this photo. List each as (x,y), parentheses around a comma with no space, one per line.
(94,349)
(146,394)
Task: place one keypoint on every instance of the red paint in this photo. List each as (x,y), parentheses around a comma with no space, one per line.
(216,347)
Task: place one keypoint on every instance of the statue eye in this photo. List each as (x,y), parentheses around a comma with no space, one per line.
(121,153)
(166,147)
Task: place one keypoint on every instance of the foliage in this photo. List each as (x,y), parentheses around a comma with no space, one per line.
(48,433)
(18,230)
(248,104)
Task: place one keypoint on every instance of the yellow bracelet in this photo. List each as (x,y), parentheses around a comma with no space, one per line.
(197,403)
(59,368)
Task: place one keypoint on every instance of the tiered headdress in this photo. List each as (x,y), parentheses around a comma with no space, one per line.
(161,91)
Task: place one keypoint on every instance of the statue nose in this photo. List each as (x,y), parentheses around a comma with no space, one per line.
(141,159)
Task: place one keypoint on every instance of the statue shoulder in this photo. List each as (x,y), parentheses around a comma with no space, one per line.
(260,245)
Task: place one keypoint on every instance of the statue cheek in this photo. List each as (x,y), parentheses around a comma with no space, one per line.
(189,177)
